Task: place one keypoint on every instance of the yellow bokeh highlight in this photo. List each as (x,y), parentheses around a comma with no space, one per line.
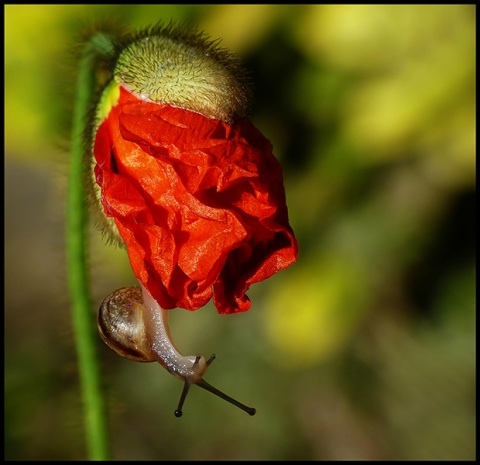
(415,90)
(312,315)
(36,53)
(372,36)
(231,21)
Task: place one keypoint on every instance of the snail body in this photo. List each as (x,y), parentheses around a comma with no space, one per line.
(134,325)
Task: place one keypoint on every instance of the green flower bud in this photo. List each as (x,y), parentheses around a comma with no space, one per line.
(182,68)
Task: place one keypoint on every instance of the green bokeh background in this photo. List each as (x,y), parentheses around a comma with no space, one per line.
(365,348)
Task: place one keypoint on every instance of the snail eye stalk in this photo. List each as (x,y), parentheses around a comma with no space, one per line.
(207,386)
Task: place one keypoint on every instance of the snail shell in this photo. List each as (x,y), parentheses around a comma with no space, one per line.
(120,323)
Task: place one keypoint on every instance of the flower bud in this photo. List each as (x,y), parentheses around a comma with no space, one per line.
(185,180)
(185,70)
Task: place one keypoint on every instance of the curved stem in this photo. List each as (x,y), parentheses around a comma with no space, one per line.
(76,243)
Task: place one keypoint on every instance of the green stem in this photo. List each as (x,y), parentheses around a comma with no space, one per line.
(78,276)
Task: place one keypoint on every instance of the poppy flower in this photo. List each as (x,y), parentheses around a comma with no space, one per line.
(194,191)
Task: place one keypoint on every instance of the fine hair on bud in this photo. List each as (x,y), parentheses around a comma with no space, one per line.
(182,67)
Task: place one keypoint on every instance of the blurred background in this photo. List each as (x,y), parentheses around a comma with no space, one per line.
(362,350)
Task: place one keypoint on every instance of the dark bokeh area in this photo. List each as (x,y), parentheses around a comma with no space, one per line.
(362,350)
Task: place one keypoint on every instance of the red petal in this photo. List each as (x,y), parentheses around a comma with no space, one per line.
(199,203)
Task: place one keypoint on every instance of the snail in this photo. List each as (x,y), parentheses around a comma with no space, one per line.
(134,325)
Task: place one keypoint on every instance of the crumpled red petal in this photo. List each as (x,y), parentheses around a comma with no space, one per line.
(199,203)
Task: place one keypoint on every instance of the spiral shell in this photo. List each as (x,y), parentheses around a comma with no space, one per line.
(120,323)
